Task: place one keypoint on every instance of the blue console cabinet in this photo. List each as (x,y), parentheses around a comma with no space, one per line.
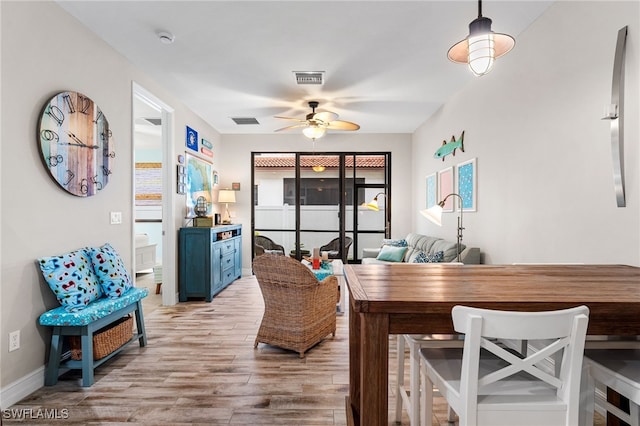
(209,260)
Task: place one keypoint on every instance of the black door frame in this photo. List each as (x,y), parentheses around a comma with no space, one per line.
(342,231)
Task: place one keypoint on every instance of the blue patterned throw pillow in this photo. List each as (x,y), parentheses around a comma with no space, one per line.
(394,243)
(423,257)
(71,278)
(109,268)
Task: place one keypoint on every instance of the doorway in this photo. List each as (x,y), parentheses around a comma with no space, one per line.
(153,217)
(303,201)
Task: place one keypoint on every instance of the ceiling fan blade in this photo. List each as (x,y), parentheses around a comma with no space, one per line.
(290,118)
(292,127)
(342,125)
(325,116)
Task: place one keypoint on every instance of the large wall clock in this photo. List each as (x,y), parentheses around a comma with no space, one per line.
(75,143)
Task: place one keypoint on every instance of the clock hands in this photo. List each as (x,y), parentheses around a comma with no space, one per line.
(78,142)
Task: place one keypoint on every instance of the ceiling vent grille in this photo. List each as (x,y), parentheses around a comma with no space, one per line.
(309,77)
(243,121)
(154,121)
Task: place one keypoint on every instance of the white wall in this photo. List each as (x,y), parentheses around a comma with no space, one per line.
(545,185)
(38,217)
(236,167)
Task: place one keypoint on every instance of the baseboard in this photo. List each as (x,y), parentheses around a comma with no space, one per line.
(21,388)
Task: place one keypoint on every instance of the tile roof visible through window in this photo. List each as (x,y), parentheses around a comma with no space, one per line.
(329,161)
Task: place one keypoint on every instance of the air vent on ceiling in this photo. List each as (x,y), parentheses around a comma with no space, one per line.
(154,121)
(241,121)
(309,77)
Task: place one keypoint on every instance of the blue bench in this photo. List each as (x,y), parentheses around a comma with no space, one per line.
(85,323)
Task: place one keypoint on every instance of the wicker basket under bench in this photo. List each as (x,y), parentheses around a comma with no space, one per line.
(86,325)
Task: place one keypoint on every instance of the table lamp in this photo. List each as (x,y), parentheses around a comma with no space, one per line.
(434,214)
(226,196)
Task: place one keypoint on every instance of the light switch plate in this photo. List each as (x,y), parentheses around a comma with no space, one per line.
(116,218)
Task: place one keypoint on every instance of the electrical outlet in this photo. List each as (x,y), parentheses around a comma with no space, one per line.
(116,218)
(14,340)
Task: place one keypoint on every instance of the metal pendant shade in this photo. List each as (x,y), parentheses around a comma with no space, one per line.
(482,46)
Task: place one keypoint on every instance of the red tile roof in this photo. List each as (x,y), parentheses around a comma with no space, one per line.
(329,161)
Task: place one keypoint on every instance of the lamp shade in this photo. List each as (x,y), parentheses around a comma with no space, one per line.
(481,47)
(373,204)
(434,214)
(226,196)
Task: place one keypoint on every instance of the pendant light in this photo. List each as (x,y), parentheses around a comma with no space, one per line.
(482,46)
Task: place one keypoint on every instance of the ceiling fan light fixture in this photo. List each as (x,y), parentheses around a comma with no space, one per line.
(314,132)
(482,46)
(316,124)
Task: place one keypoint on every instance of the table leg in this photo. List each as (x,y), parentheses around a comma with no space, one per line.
(374,369)
(354,365)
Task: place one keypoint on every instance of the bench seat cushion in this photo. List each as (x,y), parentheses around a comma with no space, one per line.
(98,309)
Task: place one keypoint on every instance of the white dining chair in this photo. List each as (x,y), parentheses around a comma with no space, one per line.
(410,395)
(487,384)
(618,369)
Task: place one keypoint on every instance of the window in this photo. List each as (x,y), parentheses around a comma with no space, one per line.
(320,191)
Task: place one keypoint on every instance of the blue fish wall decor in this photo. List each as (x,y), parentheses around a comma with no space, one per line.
(450,147)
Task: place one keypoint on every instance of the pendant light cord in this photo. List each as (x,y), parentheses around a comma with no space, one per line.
(479,8)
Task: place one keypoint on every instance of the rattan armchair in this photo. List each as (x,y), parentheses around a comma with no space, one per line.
(299,310)
(333,248)
(266,245)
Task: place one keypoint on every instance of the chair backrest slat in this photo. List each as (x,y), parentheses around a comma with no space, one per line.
(559,335)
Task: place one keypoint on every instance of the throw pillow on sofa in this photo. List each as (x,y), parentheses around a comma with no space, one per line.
(71,278)
(109,268)
(394,243)
(422,257)
(391,253)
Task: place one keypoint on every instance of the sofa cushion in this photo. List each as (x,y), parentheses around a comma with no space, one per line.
(71,278)
(422,257)
(419,242)
(449,248)
(391,253)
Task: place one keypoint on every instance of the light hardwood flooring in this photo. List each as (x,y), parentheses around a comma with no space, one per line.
(200,367)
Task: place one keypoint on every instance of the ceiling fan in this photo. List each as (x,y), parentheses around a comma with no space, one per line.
(316,124)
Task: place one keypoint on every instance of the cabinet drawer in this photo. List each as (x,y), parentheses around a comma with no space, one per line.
(228,275)
(227,261)
(226,247)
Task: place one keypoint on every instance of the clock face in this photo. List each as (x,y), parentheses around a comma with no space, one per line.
(75,143)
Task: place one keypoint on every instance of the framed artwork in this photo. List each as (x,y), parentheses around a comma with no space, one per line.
(192,139)
(199,183)
(445,187)
(216,179)
(148,184)
(235,186)
(468,185)
(432,190)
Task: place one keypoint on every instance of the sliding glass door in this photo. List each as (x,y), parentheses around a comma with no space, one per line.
(303,201)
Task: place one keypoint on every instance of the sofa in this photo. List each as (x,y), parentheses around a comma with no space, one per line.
(420,249)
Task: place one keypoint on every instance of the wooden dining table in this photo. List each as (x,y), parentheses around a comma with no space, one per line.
(417,299)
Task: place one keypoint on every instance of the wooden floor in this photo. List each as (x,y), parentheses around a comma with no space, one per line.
(200,367)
